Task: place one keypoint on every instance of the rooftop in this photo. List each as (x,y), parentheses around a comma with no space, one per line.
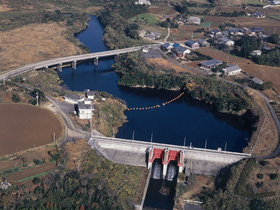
(212,62)
(81,105)
(73,96)
(233,67)
(190,42)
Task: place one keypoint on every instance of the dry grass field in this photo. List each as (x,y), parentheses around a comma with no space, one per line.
(266,135)
(33,43)
(25,126)
(162,9)
(266,73)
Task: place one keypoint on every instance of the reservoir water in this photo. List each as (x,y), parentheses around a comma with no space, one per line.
(171,124)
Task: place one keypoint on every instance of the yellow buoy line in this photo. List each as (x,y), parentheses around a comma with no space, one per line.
(157,106)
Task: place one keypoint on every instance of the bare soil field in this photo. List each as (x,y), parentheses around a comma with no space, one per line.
(162,9)
(266,73)
(35,42)
(165,64)
(25,126)
(267,24)
(16,177)
(184,32)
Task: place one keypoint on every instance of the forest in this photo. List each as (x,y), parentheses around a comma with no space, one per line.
(220,95)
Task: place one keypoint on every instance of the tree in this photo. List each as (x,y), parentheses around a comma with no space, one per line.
(15,98)
(274,38)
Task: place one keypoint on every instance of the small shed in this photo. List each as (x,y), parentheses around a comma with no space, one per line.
(72,98)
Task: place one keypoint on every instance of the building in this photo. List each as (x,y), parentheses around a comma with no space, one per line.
(192,44)
(258,15)
(257,30)
(203,43)
(232,70)
(210,64)
(266,49)
(215,32)
(72,98)
(5,185)
(153,35)
(235,31)
(194,20)
(257,81)
(143,2)
(85,111)
(226,41)
(167,46)
(181,51)
(275,2)
(256,52)
(90,94)
(142,33)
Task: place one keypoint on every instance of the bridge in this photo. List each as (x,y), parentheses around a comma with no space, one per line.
(59,62)
(141,153)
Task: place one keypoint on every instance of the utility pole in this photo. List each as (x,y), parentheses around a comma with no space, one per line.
(53,138)
(37,98)
(226,146)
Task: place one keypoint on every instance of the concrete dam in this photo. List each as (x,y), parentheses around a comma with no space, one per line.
(171,157)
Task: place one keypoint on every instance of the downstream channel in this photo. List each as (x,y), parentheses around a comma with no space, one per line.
(170,124)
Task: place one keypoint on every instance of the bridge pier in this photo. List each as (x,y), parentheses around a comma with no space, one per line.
(46,67)
(151,156)
(95,61)
(59,67)
(74,65)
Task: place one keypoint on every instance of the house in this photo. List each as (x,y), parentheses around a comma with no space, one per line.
(257,30)
(256,52)
(72,98)
(146,49)
(245,30)
(181,51)
(90,94)
(210,64)
(235,31)
(5,185)
(85,111)
(257,81)
(266,49)
(275,2)
(232,70)
(203,43)
(156,34)
(142,33)
(226,41)
(194,20)
(258,15)
(215,32)
(192,44)
(167,46)
(143,2)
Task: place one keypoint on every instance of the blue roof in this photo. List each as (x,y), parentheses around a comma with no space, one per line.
(212,62)
(176,45)
(257,29)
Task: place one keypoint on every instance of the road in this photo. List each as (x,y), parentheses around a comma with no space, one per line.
(69,59)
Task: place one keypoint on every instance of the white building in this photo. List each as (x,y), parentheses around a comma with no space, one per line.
(143,2)
(256,52)
(5,185)
(275,2)
(226,41)
(232,70)
(72,98)
(90,94)
(194,20)
(257,81)
(85,111)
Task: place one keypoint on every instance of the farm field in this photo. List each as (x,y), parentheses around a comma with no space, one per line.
(266,73)
(267,24)
(25,126)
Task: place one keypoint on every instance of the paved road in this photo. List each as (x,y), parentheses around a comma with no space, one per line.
(63,60)
(168,34)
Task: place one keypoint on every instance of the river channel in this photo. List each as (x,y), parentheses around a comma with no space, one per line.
(170,124)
